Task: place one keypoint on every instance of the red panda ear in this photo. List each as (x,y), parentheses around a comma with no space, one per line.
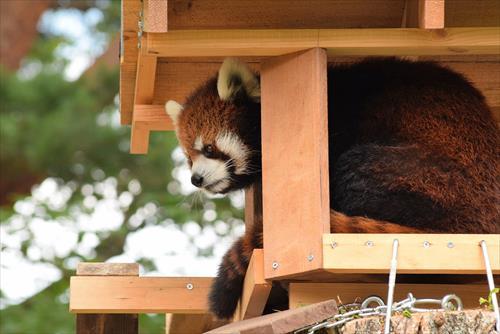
(174,110)
(236,78)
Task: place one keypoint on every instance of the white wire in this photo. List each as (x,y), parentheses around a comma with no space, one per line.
(392,284)
(491,283)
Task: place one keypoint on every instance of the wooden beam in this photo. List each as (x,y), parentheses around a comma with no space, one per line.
(417,254)
(295,186)
(128,57)
(148,118)
(144,93)
(255,288)
(92,294)
(106,323)
(302,294)
(364,42)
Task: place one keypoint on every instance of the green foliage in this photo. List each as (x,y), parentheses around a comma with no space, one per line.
(51,127)
(488,302)
(406,313)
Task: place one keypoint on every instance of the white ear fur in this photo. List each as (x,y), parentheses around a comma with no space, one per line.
(174,110)
(231,69)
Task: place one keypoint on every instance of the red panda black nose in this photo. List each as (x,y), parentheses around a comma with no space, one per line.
(197,180)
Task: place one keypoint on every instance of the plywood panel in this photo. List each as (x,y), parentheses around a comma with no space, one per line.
(476,13)
(302,294)
(444,253)
(284,14)
(294,186)
(177,78)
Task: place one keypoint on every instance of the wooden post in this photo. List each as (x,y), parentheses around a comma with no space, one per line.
(107,323)
(253,204)
(156,16)
(424,14)
(294,162)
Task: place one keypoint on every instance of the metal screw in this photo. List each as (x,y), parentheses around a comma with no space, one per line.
(427,244)
(333,244)
(450,245)
(189,286)
(275,265)
(310,257)
(369,243)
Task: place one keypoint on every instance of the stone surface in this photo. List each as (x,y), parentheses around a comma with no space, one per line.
(456,322)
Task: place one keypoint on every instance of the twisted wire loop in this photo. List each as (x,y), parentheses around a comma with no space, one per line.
(449,302)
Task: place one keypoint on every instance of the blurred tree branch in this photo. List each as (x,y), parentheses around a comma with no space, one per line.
(18,29)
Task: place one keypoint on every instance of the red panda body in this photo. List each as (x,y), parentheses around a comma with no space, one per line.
(412,146)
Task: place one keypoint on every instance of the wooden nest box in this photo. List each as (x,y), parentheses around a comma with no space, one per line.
(169,47)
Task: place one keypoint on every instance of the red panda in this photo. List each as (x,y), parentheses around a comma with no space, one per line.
(412,148)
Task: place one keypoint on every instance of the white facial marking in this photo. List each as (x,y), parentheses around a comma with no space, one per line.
(230,144)
(234,68)
(220,186)
(174,110)
(198,143)
(212,170)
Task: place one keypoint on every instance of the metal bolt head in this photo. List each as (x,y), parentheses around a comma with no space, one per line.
(189,286)
(310,257)
(427,244)
(333,244)
(275,265)
(369,243)
(450,244)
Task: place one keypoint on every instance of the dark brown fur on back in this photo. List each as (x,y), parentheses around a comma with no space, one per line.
(412,145)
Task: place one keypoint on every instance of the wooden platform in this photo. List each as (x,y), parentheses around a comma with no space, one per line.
(181,45)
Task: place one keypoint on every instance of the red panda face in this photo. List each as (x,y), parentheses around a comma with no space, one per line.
(219,129)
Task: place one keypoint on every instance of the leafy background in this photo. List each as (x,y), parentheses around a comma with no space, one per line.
(69,189)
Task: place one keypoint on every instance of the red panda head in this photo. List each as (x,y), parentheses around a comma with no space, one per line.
(219,129)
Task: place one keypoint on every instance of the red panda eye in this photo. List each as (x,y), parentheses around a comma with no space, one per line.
(208,151)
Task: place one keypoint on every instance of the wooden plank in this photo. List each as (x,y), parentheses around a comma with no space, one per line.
(293,14)
(281,322)
(294,186)
(191,323)
(255,288)
(128,58)
(107,324)
(302,294)
(95,294)
(431,14)
(376,42)
(107,269)
(410,41)
(144,92)
(445,254)
(156,15)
